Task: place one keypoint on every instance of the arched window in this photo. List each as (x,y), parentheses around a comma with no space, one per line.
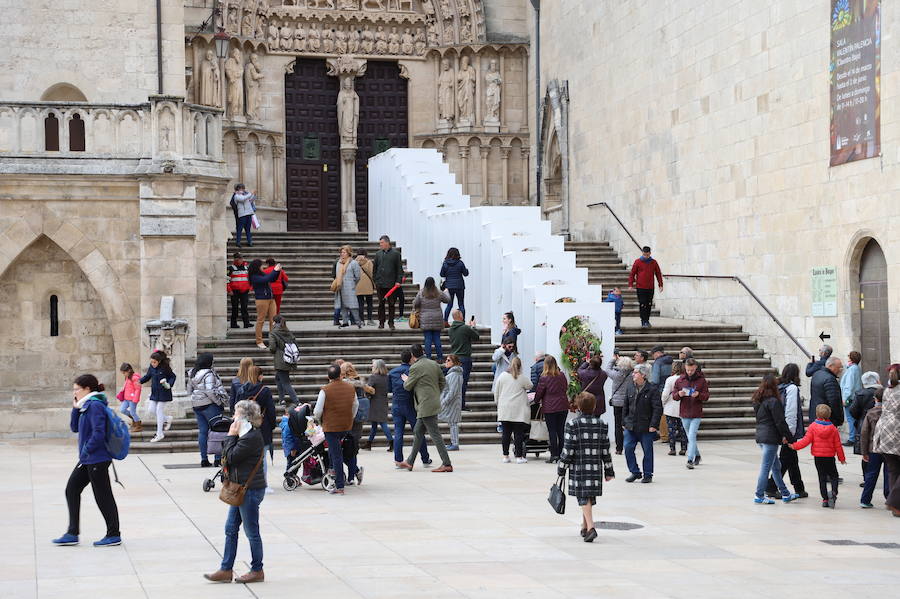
(76,134)
(51,133)
(54,316)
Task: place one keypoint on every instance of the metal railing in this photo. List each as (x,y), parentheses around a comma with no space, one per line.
(734,278)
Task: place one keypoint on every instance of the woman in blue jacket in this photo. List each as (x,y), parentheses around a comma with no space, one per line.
(89,421)
(161,380)
(265,299)
(452,271)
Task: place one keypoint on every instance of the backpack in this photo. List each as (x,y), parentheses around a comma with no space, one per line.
(291,354)
(362,411)
(118,437)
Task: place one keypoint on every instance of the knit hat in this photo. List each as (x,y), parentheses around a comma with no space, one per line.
(870,379)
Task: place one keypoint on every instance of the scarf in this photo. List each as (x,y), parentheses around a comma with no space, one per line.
(85,399)
(647,260)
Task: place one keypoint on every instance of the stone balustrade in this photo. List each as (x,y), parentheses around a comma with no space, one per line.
(164,134)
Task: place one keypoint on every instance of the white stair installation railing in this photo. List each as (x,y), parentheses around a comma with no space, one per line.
(515,263)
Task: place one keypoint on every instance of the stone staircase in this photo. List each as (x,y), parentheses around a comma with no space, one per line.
(732,362)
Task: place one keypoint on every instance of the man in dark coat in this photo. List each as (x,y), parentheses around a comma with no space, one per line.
(824,388)
(641,415)
(388,272)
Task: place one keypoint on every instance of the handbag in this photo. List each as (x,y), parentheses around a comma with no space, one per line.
(254,220)
(121,395)
(557,498)
(415,319)
(233,493)
(539,430)
(339,280)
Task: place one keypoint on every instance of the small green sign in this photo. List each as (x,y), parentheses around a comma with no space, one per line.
(380,145)
(312,148)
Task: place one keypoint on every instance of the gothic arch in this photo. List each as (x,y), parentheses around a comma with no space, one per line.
(555,150)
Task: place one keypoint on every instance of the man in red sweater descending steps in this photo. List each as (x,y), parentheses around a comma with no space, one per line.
(643,271)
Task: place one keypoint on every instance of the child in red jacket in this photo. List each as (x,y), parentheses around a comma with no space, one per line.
(826,442)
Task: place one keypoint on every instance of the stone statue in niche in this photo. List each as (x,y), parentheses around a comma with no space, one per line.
(428,9)
(434,39)
(493,91)
(449,37)
(327,40)
(287,37)
(465,30)
(446,11)
(340,40)
(420,42)
(166,129)
(313,38)
(407,42)
(394,42)
(233,17)
(463,7)
(260,27)
(446,85)
(273,35)
(300,39)
(368,40)
(348,112)
(381,44)
(353,40)
(209,80)
(234,75)
(252,77)
(465,93)
(247,24)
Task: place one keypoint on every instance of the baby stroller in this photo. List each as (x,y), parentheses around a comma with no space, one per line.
(533,445)
(312,453)
(218,432)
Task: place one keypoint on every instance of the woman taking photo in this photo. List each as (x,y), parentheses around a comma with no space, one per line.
(161,380)
(551,395)
(208,397)
(347,276)
(511,396)
(243,453)
(89,420)
(771,432)
(428,302)
(265,299)
(378,405)
(279,338)
(619,372)
(453,271)
(451,399)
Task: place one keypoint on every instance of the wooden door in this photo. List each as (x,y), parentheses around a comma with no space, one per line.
(873,304)
(312,157)
(383,114)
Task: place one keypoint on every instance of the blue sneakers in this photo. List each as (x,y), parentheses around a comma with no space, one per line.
(66,540)
(763,500)
(866,506)
(790,498)
(108,542)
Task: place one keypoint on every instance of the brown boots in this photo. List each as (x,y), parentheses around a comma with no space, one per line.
(251,576)
(136,427)
(220,576)
(228,576)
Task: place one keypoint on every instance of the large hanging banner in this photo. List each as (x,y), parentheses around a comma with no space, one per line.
(855,78)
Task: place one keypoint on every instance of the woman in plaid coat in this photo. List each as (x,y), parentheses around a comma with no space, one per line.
(585,446)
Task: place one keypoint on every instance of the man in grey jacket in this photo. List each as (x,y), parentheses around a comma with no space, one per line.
(244,202)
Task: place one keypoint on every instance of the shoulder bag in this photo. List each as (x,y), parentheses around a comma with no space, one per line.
(232,493)
(415,319)
(557,498)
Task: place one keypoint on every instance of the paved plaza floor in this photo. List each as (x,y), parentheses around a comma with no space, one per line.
(483,531)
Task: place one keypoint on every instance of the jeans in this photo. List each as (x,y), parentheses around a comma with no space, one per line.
(283,381)
(518,429)
(204,415)
(676,432)
(620,429)
(98,477)
(460,295)
(248,515)
(129,408)
(646,441)
(386,302)
(454,434)
(244,224)
(467,370)
(791,465)
(826,468)
(691,426)
(645,303)
(556,424)
(265,311)
(240,300)
(618,321)
(336,453)
(873,469)
(433,338)
(852,425)
(404,414)
(430,424)
(365,301)
(770,465)
(384,428)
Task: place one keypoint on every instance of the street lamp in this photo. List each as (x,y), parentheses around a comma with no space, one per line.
(221,38)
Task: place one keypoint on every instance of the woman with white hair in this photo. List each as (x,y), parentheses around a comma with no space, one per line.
(243,453)
(619,373)
(378,406)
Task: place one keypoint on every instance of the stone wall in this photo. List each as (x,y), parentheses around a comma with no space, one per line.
(706,128)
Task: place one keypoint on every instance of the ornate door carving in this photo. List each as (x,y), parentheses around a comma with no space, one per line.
(312,157)
(383,123)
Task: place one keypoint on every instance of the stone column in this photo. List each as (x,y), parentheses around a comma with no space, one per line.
(347,68)
(526,173)
(277,155)
(485,151)
(464,166)
(504,157)
(348,190)
(260,151)
(241,146)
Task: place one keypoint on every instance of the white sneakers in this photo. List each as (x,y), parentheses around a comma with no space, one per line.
(168,423)
(261,345)
(521,460)
(505,459)
(157,438)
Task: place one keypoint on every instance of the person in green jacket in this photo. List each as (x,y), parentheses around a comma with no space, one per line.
(279,338)
(461,337)
(388,272)
(425,381)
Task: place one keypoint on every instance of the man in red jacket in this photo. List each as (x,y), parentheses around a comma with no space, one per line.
(278,286)
(239,289)
(643,271)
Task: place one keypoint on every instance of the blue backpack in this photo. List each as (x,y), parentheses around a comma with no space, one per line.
(118,438)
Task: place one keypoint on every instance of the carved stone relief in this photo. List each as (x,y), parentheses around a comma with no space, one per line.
(465,93)
(493,92)
(234,75)
(252,77)
(209,81)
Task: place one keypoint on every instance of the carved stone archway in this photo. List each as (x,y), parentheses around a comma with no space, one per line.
(554,130)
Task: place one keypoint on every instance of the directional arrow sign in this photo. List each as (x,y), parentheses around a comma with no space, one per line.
(823,336)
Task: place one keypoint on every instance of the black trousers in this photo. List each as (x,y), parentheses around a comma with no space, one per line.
(240,299)
(517,430)
(791,465)
(390,303)
(618,415)
(97,475)
(645,302)
(556,425)
(827,470)
(364,301)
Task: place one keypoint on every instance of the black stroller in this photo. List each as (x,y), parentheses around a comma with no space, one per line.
(218,432)
(312,453)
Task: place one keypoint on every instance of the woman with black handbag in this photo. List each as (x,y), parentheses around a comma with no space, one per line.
(242,454)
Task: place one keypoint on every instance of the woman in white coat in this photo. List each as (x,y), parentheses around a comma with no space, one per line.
(511,395)
(671,409)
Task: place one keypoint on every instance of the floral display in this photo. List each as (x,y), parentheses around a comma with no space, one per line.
(578,343)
